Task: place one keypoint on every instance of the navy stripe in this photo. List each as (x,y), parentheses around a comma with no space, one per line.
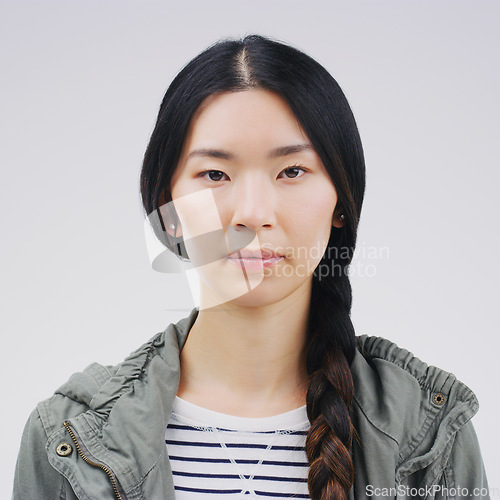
(233,445)
(206,460)
(240,461)
(232,492)
(236,476)
(191,428)
(280,495)
(210,492)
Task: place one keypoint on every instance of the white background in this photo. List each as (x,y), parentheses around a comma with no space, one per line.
(81,86)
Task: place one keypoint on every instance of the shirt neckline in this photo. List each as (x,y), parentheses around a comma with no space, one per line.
(200,416)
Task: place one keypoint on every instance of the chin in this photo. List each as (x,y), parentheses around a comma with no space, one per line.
(224,284)
(267,293)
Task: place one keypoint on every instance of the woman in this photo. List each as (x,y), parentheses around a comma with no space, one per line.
(255,174)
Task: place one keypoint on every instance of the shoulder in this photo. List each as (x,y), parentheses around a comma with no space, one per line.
(418,407)
(86,390)
(98,387)
(96,402)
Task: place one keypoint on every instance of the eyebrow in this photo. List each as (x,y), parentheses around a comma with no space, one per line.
(275,153)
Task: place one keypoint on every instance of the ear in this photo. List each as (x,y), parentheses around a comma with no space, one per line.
(336,221)
(169,217)
(173,229)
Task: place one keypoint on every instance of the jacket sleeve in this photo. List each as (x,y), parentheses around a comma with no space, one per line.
(34,477)
(464,476)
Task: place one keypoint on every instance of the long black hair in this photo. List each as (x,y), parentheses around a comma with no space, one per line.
(320,106)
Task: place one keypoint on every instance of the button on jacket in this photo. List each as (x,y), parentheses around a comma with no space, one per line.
(102,434)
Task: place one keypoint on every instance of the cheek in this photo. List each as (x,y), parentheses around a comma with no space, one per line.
(197,212)
(314,210)
(180,184)
(309,224)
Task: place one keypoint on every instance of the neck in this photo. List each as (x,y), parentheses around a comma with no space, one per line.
(248,361)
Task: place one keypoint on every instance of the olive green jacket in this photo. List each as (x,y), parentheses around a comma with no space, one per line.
(102,434)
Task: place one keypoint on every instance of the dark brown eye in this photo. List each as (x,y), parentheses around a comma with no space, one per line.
(213,175)
(293,172)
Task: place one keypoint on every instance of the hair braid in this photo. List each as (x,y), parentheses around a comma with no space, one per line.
(330,351)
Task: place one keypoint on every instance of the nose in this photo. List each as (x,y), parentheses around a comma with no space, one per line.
(253,202)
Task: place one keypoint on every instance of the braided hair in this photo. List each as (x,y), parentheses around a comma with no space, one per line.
(321,108)
(329,353)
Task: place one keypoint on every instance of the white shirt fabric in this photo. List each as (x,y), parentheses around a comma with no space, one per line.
(214,455)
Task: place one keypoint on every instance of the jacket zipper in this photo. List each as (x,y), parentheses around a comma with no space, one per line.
(105,468)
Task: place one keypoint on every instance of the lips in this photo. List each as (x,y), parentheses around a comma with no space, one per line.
(262,254)
(256,260)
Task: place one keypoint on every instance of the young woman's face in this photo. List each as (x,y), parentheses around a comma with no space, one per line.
(246,165)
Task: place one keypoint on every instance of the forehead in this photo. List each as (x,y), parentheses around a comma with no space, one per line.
(253,117)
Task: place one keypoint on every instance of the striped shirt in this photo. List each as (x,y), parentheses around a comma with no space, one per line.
(216,455)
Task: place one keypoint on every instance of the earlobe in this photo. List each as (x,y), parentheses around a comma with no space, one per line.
(170,219)
(338,220)
(172,229)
